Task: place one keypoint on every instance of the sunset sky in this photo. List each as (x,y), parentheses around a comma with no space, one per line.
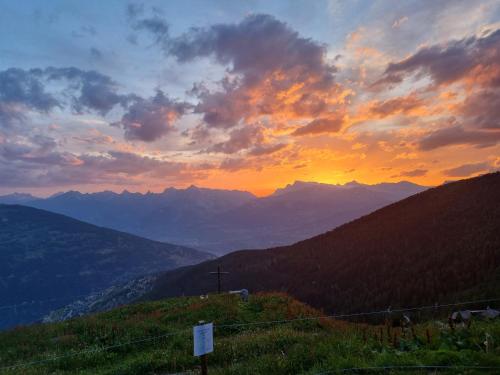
(248,95)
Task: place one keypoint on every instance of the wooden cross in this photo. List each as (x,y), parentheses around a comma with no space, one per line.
(219,273)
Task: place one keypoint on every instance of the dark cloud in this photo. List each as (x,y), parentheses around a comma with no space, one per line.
(299,166)
(248,137)
(89,91)
(95,53)
(23,90)
(37,162)
(272,71)
(154,25)
(240,139)
(129,163)
(451,61)
(150,119)
(482,109)
(38,150)
(223,109)
(89,30)
(10,114)
(132,39)
(27,90)
(200,134)
(95,138)
(25,86)
(404,104)
(84,31)
(321,125)
(457,135)
(414,173)
(474,61)
(234,164)
(467,169)
(93,91)
(134,10)
(258,44)
(267,149)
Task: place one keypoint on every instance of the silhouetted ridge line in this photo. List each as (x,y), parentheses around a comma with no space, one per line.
(224,220)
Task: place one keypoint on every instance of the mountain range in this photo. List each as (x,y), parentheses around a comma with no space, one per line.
(48,260)
(17,198)
(439,245)
(221,221)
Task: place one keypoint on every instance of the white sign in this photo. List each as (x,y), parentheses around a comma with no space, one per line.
(203,339)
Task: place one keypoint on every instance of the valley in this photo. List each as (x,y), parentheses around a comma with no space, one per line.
(221,221)
(49,260)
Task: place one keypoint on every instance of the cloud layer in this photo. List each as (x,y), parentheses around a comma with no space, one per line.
(252,97)
(271,71)
(150,119)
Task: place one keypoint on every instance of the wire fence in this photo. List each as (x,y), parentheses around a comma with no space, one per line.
(359,314)
(91,351)
(407,368)
(285,321)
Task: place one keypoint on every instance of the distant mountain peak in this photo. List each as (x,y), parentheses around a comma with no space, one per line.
(353,183)
(301,185)
(55,195)
(394,187)
(17,198)
(105,193)
(221,220)
(126,193)
(402,182)
(165,191)
(296,186)
(70,193)
(20,195)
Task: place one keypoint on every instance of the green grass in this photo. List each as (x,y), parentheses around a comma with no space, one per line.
(303,347)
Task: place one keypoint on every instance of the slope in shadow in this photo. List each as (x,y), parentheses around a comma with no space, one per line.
(52,258)
(426,248)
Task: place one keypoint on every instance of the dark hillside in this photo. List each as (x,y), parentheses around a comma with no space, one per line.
(430,247)
(47,256)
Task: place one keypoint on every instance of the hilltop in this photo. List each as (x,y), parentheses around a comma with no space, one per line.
(17,198)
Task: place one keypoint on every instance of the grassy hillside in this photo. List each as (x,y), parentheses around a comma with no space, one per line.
(302,347)
(47,256)
(434,246)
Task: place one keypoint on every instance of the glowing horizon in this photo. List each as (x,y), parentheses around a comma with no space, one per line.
(259,193)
